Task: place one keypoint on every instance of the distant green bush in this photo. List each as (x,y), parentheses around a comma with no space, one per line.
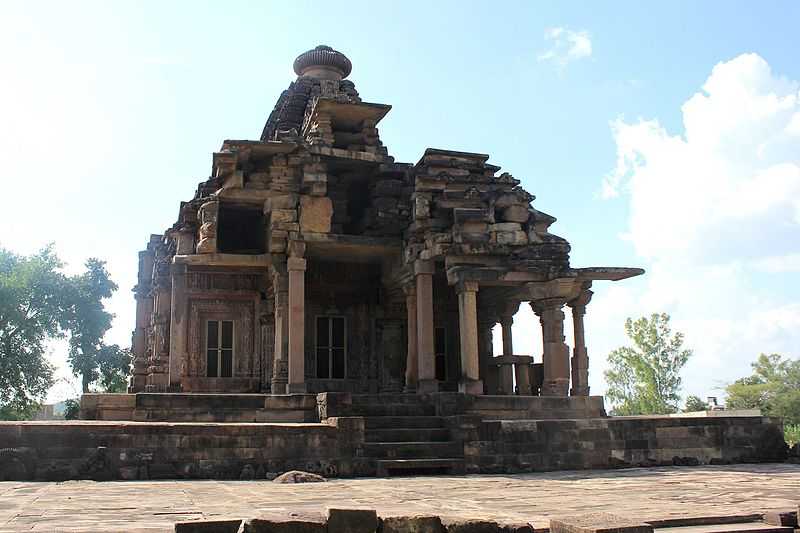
(791,434)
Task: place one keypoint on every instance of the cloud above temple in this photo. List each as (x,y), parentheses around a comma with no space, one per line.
(714,212)
(566,46)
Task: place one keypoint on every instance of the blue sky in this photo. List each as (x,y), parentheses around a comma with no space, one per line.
(660,135)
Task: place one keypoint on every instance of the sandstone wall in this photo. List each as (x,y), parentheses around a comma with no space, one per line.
(51,451)
(537,445)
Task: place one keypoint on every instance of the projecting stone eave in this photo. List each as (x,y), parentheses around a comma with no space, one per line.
(347,116)
(607,273)
(455,154)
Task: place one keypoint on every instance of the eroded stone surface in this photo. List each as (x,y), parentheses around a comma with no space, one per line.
(640,494)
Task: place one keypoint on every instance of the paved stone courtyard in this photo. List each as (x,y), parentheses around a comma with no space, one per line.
(645,493)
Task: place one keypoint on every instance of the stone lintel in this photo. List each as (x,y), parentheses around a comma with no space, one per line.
(453,154)
(218,259)
(562,288)
(607,273)
(349,116)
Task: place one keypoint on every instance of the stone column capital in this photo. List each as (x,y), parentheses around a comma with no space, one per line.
(581,301)
(547,304)
(423,266)
(466,286)
(295,264)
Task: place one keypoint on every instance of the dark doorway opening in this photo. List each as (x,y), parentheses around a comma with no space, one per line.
(240,230)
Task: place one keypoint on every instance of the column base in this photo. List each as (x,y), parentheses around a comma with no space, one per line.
(555,387)
(279,387)
(471,386)
(297,388)
(427,386)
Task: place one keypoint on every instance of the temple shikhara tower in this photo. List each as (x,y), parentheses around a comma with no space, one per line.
(312,261)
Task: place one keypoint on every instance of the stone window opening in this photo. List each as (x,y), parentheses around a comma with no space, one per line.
(358,200)
(219,348)
(440,351)
(331,351)
(240,230)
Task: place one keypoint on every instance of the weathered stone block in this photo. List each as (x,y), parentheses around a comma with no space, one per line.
(781,518)
(515,213)
(472,526)
(288,525)
(208,526)
(412,524)
(283,201)
(505,226)
(283,215)
(511,237)
(597,523)
(352,520)
(315,214)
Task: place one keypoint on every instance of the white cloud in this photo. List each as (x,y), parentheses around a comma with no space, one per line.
(712,211)
(566,46)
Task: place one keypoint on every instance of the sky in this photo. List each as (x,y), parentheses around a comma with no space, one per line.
(661,135)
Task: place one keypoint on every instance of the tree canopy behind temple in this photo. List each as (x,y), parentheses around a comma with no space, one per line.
(645,378)
(39,303)
(773,387)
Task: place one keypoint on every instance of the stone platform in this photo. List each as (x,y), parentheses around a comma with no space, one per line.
(645,494)
(391,439)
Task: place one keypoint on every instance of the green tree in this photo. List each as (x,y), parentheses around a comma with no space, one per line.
(773,387)
(645,378)
(33,298)
(88,321)
(39,303)
(694,403)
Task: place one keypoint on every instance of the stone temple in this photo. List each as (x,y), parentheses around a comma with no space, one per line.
(311,261)
(319,306)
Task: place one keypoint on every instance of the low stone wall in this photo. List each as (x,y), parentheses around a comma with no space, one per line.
(200,407)
(614,442)
(53,451)
(535,407)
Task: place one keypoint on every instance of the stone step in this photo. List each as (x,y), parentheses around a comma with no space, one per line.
(408,435)
(393,409)
(403,422)
(388,398)
(413,450)
(219,415)
(388,467)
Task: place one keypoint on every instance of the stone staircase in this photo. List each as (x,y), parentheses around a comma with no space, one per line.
(404,436)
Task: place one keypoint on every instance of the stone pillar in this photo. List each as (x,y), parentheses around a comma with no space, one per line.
(580,356)
(297,321)
(144,308)
(508,344)
(178,327)
(280,366)
(426,357)
(412,366)
(556,353)
(470,382)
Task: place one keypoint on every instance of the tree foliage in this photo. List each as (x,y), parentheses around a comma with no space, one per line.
(645,378)
(773,387)
(39,303)
(33,298)
(694,403)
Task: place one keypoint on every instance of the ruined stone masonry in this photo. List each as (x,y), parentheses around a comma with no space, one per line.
(311,261)
(318,306)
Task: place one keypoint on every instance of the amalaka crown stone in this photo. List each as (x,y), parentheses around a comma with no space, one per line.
(323,62)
